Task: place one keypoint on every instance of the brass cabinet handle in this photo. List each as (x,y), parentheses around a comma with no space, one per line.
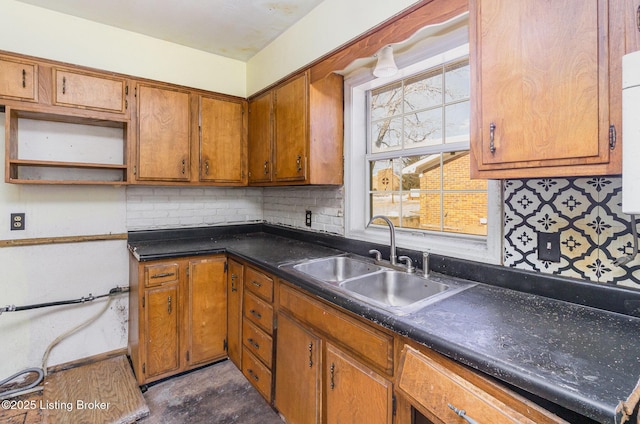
(299,163)
(233,282)
(310,354)
(169,309)
(164,274)
(253,374)
(24,78)
(463,414)
(255,313)
(206,167)
(492,136)
(64,85)
(253,343)
(332,371)
(266,167)
(255,283)
(184,166)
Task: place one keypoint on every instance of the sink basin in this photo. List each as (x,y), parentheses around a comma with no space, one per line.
(393,288)
(336,269)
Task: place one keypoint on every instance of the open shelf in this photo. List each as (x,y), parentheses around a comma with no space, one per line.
(50,148)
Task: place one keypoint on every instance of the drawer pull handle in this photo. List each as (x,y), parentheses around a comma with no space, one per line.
(24,78)
(463,414)
(233,282)
(184,166)
(255,283)
(492,137)
(255,313)
(310,354)
(266,167)
(253,343)
(64,85)
(253,374)
(169,309)
(332,371)
(164,274)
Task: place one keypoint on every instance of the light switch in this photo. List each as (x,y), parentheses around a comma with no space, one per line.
(549,246)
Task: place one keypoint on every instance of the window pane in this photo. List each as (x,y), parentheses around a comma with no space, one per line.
(386,135)
(457,82)
(383,177)
(457,119)
(456,173)
(387,204)
(465,213)
(430,211)
(413,167)
(423,91)
(386,101)
(423,128)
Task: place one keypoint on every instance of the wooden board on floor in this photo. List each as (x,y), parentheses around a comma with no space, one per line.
(101,392)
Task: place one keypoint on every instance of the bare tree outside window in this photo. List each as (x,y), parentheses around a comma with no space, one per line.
(425,191)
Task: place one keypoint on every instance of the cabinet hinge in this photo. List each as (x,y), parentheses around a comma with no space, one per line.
(143,301)
(135,170)
(612,137)
(226,266)
(126,90)
(144,368)
(188,356)
(225,345)
(393,404)
(126,104)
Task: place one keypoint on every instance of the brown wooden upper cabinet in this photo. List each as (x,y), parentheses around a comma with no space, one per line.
(163,121)
(546,83)
(296,133)
(223,152)
(18,79)
(90,91)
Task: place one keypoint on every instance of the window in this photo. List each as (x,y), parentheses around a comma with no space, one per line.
(407,151)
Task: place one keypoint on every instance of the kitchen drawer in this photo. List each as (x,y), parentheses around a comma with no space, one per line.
(431,387)
(98,92)
(259,283)
(18,79)
(161,273)
(370,343)
(258,311)
(258,342)
(258,374)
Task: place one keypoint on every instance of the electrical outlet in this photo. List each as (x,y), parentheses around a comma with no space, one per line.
(307,218)
(17,221)
(549,246)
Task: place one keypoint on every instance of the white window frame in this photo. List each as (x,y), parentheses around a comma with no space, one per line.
(479,248)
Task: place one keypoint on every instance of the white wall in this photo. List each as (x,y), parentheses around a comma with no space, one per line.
(53,272)
(43,33)
(330,25)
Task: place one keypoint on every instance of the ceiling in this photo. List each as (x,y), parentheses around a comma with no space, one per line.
(236,29)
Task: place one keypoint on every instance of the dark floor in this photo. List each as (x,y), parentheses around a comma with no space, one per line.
(215,394)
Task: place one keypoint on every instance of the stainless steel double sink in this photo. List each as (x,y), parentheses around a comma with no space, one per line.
(391,289)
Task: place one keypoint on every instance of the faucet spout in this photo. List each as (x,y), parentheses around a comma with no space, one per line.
(393,258)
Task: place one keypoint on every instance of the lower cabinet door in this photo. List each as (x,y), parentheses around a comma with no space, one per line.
(161,338)
(298,375)
(355,393)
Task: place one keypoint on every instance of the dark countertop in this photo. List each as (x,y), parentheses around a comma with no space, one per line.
(584,359)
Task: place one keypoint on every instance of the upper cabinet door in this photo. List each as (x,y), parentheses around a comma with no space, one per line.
(291,129)
(89,91)
(163,134)
(260,138)
(222,141)
(541,86)
(18,79)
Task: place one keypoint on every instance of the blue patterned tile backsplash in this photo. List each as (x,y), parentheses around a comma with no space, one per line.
(593,230)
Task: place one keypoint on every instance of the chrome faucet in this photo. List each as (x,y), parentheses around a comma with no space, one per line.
(393,258)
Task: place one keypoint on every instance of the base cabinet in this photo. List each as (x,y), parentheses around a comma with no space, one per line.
(333,383)
(180,321)
(299,361)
